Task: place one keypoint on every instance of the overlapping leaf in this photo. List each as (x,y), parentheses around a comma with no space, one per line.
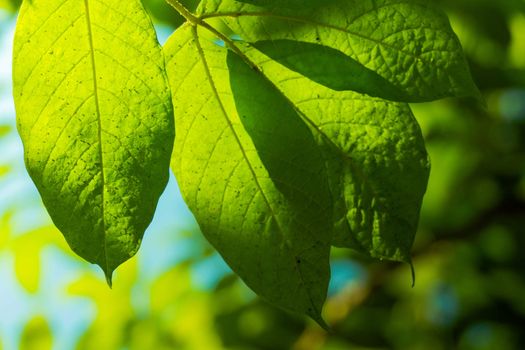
(329,67)
(408,43)
(276,164)
(94,113)
(375,156)
(251,172)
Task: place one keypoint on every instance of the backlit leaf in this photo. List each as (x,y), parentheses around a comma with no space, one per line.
(408,43)
(250,170)
(95,116)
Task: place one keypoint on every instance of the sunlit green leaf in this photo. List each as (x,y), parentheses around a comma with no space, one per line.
(409,43)
(251,172)
(94,113)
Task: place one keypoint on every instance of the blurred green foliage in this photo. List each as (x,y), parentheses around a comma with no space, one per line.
(10,5)
(37,335)
(470,289)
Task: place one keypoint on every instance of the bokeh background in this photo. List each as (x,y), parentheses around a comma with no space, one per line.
(177,293)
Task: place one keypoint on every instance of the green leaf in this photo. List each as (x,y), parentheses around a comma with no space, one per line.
(95,116)
(251,172)
(287,3)
(408,43)
(376,160)
(329,67)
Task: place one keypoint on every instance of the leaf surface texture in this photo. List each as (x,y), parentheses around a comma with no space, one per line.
(250,170)
(409,43)
(375,157)
(95,116)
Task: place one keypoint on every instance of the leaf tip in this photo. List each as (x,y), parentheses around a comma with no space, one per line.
(413,272)
(481,100)
(320,321)
(109,277)
(109,280)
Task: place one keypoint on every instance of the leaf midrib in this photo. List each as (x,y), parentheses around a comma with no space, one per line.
(229,123)
(238,141)
(99,134)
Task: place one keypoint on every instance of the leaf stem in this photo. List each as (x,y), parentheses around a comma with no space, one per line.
(198,21)
(231,44)
(180,8)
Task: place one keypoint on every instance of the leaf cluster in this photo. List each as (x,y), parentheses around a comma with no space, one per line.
(293,129)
